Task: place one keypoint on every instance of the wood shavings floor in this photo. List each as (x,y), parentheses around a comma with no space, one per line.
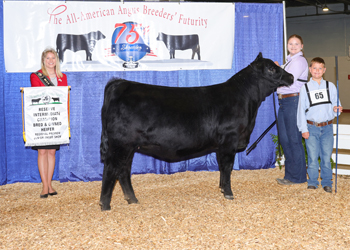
(179,211)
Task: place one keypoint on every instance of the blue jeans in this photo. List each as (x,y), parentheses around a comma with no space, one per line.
(291,140)
(320,144)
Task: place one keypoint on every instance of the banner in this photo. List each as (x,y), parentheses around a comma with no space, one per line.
(46,116)
(110,36)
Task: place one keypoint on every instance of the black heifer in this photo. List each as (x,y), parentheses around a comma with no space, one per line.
(75,43)
(180,43)
(174,124)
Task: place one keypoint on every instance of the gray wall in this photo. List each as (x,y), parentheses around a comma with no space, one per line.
(325,36)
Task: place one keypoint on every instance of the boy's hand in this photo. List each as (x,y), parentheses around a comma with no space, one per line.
(305,135)
(276,63)
(340,108)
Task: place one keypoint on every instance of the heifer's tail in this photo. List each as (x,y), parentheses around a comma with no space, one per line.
(104,138)
(111,92)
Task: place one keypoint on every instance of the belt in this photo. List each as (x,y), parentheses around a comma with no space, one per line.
(319,124)
(280,96)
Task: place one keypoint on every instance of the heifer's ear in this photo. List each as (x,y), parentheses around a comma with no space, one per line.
(259,56)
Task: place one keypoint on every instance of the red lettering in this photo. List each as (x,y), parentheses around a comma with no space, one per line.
(117,25)
(56,12)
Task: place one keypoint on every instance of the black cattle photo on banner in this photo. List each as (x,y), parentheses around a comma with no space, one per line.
(76,43)
(183,42)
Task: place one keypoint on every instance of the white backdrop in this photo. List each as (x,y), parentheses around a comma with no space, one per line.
(38,24)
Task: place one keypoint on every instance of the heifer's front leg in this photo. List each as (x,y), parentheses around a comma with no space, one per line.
(88,55)
(199,52)
(225,161)
(172,53)
(196,50)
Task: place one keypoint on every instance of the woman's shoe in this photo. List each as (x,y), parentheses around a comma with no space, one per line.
(54,193)
(44,195)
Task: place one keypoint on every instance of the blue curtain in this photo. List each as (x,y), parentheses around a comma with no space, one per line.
(258,28)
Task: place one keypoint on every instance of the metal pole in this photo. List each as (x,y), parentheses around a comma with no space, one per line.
(336,141)
(285,30)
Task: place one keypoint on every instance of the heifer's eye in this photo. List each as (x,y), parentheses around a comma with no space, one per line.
(272,70)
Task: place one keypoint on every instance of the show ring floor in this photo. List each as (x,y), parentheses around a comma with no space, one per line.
(179,211)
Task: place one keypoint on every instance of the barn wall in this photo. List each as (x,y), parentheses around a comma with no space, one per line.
(325,36)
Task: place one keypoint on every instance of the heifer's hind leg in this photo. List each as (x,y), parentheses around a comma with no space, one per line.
(116,166)
(125,179)
(109,178)
(225,161)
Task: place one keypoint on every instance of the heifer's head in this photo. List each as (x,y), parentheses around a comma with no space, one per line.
(268,70)
(95,35)
(100,35)
(160,36)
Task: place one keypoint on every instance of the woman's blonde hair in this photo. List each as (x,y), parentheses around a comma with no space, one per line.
(57,67)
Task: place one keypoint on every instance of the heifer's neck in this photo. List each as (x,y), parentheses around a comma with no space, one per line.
(252,87)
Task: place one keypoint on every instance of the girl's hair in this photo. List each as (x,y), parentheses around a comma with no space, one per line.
(296,36)
(57,67)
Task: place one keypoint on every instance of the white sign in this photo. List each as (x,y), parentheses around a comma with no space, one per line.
(110,36)
(319,96)
(46,116)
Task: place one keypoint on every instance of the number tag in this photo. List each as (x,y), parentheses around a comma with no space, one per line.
(319,96)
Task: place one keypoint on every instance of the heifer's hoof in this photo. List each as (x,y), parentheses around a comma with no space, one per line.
(105,207)
(229,197)
(132,201)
